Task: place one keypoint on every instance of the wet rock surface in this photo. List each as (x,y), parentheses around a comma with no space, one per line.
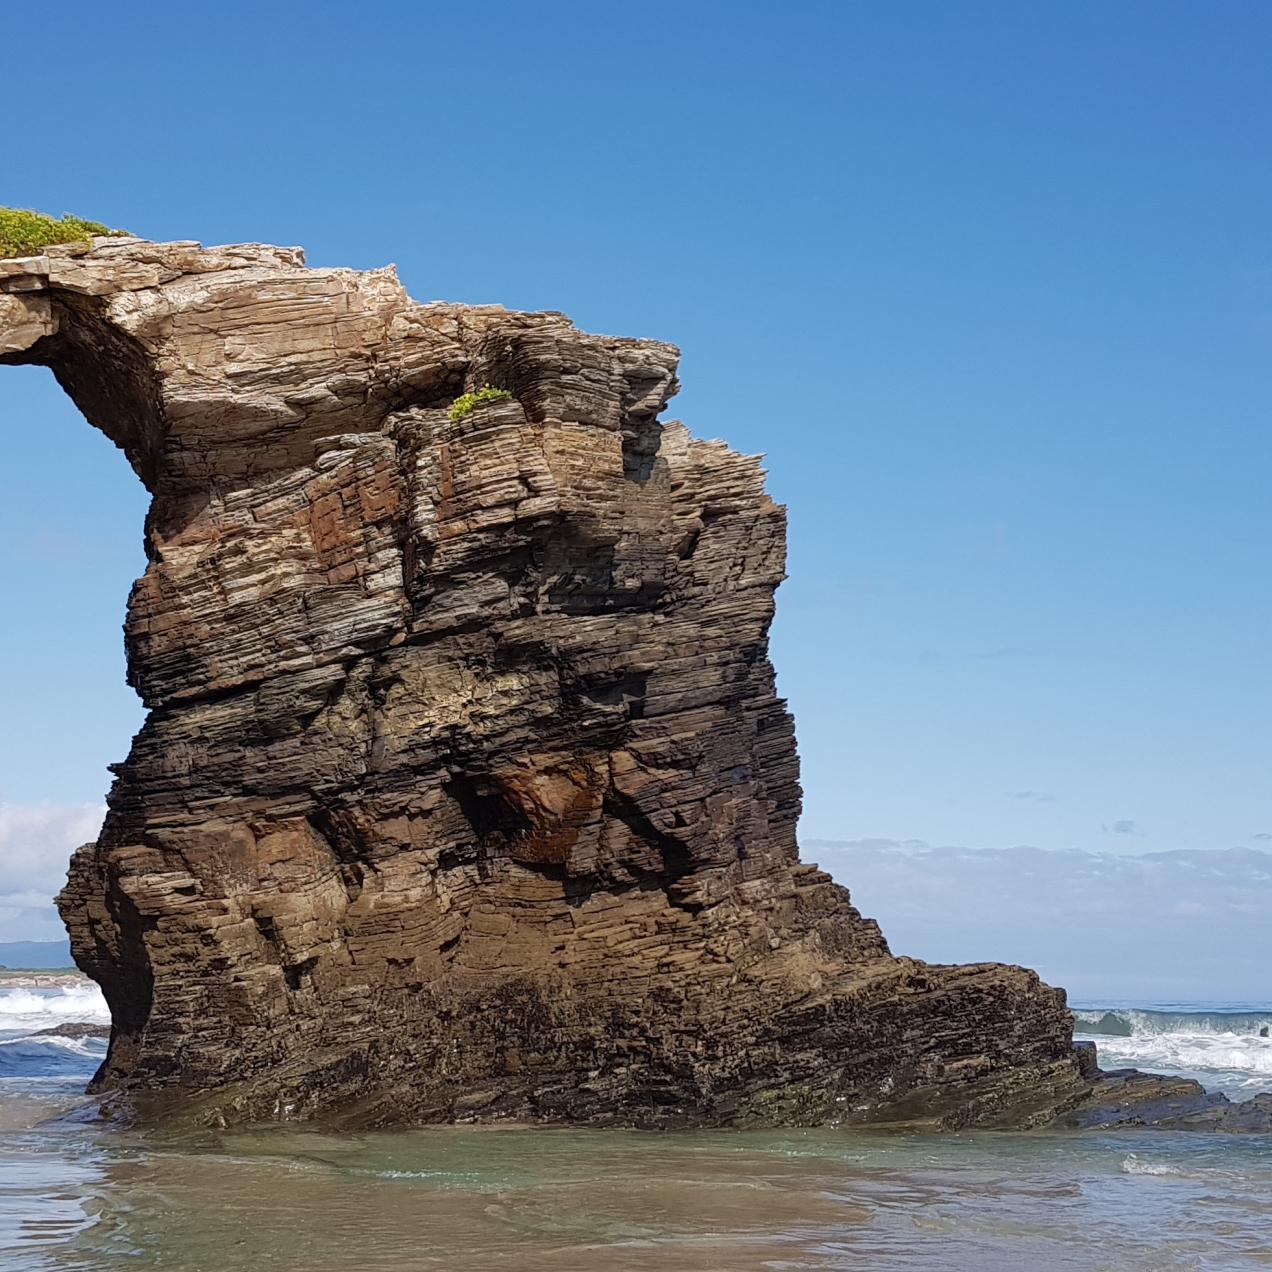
(1128,1097)
(73,1029)
(465,793)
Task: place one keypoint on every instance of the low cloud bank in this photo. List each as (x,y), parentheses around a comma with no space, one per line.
(36,841)
(1163,926)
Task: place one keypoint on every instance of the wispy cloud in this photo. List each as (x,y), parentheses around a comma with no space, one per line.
(36,841)
(1124,826)
(1040,796)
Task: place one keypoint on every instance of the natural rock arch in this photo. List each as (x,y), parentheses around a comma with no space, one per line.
(465,791)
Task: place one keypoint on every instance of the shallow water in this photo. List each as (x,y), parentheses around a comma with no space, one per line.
(75,1195)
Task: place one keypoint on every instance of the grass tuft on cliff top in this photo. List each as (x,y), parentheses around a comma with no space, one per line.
(467,401)
(24,232)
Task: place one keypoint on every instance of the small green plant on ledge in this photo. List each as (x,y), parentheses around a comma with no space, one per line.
(466,401)
(27,233)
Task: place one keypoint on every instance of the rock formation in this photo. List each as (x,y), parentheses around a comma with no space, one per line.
(465,792)
(1123,1098)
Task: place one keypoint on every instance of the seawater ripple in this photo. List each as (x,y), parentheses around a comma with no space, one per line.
(46,1179)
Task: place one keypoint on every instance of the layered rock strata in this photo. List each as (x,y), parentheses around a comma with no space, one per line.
(465,792)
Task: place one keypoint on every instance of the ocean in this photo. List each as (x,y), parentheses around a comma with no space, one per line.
(76,1195)
(1225,1046)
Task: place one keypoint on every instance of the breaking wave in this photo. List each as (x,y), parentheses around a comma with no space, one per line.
(26,1052)
(31,1009)
(1228,1051)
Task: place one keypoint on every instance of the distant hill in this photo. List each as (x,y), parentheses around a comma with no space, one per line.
(35,954)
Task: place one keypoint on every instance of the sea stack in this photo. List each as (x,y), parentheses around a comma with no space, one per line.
(465,792)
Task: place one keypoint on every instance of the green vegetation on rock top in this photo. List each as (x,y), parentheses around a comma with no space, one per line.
(27,233)
(466,401)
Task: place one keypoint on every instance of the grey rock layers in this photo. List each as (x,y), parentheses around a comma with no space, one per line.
(465,792)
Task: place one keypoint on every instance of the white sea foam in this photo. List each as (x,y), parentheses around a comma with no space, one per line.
(1132,1165)
(27,1010)
(1249,1059)
(1224,1050)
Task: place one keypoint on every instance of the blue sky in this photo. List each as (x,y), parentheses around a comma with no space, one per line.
(989,283)
(1180,926)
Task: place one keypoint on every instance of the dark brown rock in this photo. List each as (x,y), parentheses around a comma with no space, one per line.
(1088,1061)
(465,791)
(73,1029)
(1130,1098)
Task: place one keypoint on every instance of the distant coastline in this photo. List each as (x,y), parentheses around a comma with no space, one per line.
(40,978)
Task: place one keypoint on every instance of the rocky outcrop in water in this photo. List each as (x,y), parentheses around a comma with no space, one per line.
(465,792)
(1122,1098)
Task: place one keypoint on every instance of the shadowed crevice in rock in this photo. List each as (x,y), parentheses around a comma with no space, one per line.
(465,791)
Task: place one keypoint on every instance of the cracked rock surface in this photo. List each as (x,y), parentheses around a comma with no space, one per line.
(465,792)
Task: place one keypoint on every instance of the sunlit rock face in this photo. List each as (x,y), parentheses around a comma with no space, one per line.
(465,792)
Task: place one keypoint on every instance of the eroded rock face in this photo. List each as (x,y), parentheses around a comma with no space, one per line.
(465,791)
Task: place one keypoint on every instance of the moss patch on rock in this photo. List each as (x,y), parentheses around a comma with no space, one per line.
(24,232)
(467,401)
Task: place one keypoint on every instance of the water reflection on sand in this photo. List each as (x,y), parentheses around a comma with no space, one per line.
(567,1200)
